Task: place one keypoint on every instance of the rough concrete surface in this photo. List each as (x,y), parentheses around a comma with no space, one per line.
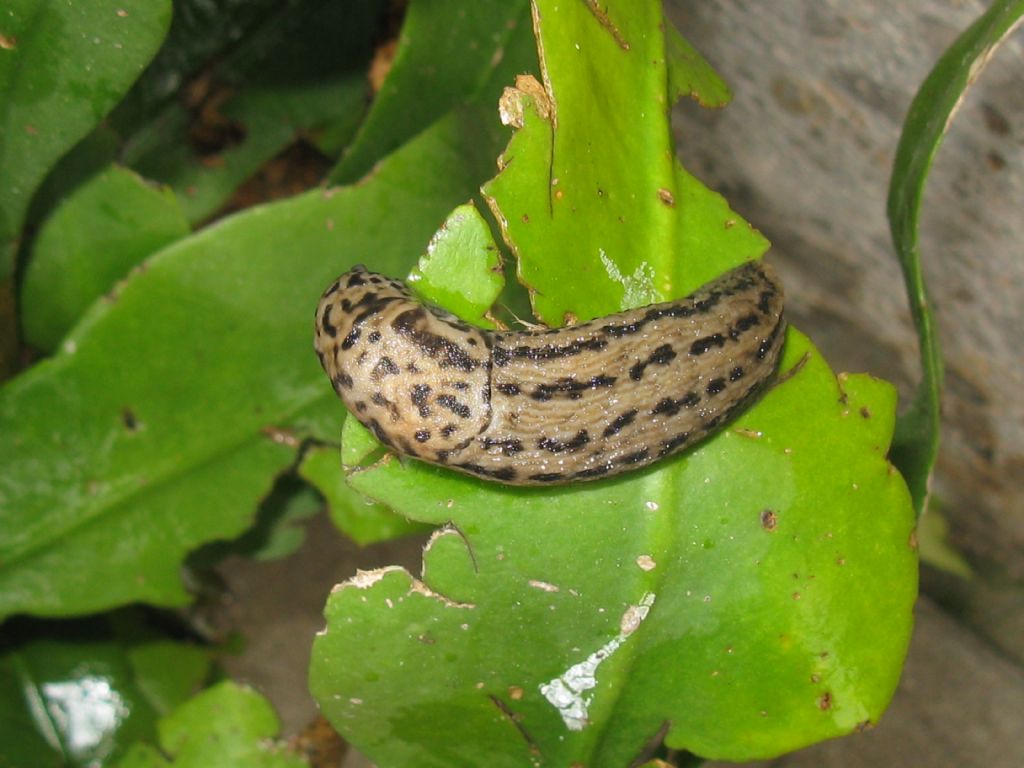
(804,153)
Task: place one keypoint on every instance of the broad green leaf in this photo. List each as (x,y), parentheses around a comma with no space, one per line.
(156,428)
(63,66)
(78,693)
(447,53)
(767,576)
(745,599)
(916,443)
(227,725)
(109,225)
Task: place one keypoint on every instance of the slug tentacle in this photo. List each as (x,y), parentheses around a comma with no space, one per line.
(553,406)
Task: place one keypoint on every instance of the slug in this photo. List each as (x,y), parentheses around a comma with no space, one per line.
(551,406)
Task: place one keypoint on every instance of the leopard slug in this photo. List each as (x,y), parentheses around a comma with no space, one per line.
(550,406)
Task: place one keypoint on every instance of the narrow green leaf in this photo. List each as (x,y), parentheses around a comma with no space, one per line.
(447,53)
(51,101)
(108,225)
(916,443)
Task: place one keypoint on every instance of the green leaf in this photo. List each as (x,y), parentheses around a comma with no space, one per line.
(181,387)
(358,517)
(108,225)
(447,53)
(626,233)
(775,562)
(78,693)
(462,267)
(51,101)
(227,725)
(916,443)
(690,75)
(748,598)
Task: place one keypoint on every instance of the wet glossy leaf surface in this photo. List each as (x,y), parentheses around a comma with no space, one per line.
(80,700)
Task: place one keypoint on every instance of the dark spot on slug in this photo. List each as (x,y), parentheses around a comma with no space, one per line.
(670,407)
(736,374)
(663,355)
(374,337)
(635,458)
(620,422)
(509,389)
(351,338)
(715,386)
(501,473)
(670,445)
(700,346)
(509,446)
(547,477)
(419,395)
(384,367)
(600,469)
(552,445)
(572,388)
(422,435)
(325,322)
(667,406)
(743,325)
(411,324)
(502,356)
(459,409)
(448,430)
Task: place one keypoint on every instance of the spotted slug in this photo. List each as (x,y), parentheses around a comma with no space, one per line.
(550,406)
